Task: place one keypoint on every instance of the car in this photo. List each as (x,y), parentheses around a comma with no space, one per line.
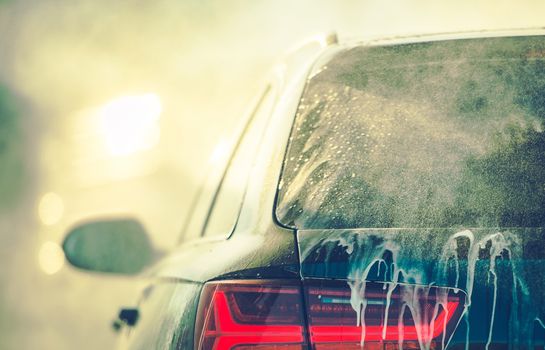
(383,194)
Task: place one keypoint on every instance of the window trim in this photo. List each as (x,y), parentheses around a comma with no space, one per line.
(201,228)
(213,203)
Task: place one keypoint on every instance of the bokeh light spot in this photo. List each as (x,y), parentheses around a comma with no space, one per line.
(50,208)
(50,258)
(130,124)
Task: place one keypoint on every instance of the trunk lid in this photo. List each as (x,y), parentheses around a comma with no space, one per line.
(501,273)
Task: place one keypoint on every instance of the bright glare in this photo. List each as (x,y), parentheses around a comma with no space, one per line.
(50,208)
(50,258)
(220,152)
(130,124)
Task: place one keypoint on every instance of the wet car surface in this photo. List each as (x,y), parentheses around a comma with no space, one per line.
(386,195)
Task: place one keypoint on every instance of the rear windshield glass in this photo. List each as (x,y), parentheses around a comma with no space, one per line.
(422,135)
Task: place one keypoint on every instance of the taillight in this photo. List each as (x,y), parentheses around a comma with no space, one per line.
(283,315)
(391,316)
(247,315)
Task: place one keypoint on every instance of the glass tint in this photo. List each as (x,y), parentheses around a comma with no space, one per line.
(423,135)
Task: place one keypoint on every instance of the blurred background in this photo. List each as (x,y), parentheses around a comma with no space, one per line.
(116,107)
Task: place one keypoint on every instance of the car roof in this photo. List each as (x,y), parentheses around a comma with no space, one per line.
(430,37)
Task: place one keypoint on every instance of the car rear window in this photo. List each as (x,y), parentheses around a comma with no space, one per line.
(437,134)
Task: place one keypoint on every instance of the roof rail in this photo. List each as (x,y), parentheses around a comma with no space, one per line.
(322,40)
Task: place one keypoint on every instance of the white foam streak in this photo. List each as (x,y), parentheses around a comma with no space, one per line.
(375,257)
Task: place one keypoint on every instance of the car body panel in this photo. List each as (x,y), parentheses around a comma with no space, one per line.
(203,261)
(501,271)
(167,317)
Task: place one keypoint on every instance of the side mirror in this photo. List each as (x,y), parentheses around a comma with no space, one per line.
(113,246)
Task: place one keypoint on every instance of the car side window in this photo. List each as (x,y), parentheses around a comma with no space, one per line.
(228,199)
(201,205)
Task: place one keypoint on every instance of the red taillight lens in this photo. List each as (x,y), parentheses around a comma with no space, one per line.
(390,314)
(247,315)
(268,315)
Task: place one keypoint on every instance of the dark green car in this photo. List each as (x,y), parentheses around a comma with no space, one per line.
(383,195)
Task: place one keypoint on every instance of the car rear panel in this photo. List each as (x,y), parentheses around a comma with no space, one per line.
(500,274)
